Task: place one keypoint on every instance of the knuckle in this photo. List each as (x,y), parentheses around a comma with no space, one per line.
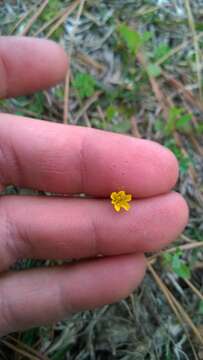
(83,163)
(10,249)
(4,70)
(3,161)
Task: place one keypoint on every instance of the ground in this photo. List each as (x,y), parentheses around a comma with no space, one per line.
(136,68)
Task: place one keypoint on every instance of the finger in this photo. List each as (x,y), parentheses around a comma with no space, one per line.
(29,64)
(69,159)
(48,228)
(41,296)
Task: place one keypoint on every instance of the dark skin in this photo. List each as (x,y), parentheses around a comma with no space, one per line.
(69,160)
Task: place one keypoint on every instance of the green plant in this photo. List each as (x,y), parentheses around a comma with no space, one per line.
(130,37)
(184,161)
(51,10)
(161,51)
(175,262)
(85,84)
(178,119)
(153,70)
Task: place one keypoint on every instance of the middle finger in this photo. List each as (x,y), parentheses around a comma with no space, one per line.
(60,228)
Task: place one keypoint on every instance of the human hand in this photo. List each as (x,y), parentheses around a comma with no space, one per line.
(72,160)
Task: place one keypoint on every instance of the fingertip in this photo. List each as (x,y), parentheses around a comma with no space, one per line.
(58,59)
(182,210)
(136,268)
(28,64)
(166,168)
(131,272)
(173,167)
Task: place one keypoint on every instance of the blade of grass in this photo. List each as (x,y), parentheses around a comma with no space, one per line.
(196,45)
(22,18)
(18,350)
(88,60)
(34,17)
(194,289)
(185,247)
(67,80)
(175,50)
(86,106)
(62,19)
(187,318)
(185,92)
(180,313)
(26,347)
(50,22)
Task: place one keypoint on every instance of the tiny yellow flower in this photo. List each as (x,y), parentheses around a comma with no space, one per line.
(120,200)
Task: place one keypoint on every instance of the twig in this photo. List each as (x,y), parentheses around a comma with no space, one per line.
(134,127)
(50,22)
(194,289)
(26,347)
(18,350)
(22,18)
(164,290)
(67,80)
(197,146)
(34,17)
(177,308)
(177,49)
(85,58)
(61,20)
(86,106)
(161,98)
(196,44)
(186,93)
(185,247)
(187,318)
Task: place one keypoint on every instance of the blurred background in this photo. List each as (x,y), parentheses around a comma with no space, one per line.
(136,68)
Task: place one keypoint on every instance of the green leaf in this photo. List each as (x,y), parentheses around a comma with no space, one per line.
(146,36)
(177,119)
(85,84)
(184,161)
(153,70)
(167,257)
(184,120)
(111,112)
(161,51)
(131,38)
(51,10)
(180,268)
(174,114)
(177,264)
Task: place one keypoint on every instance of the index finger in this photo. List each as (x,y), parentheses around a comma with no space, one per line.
(29,64)
(71,159)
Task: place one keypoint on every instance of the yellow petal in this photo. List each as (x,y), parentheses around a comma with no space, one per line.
(117,207)
(128,197)
(125,205)
(121,193)
(113,195)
